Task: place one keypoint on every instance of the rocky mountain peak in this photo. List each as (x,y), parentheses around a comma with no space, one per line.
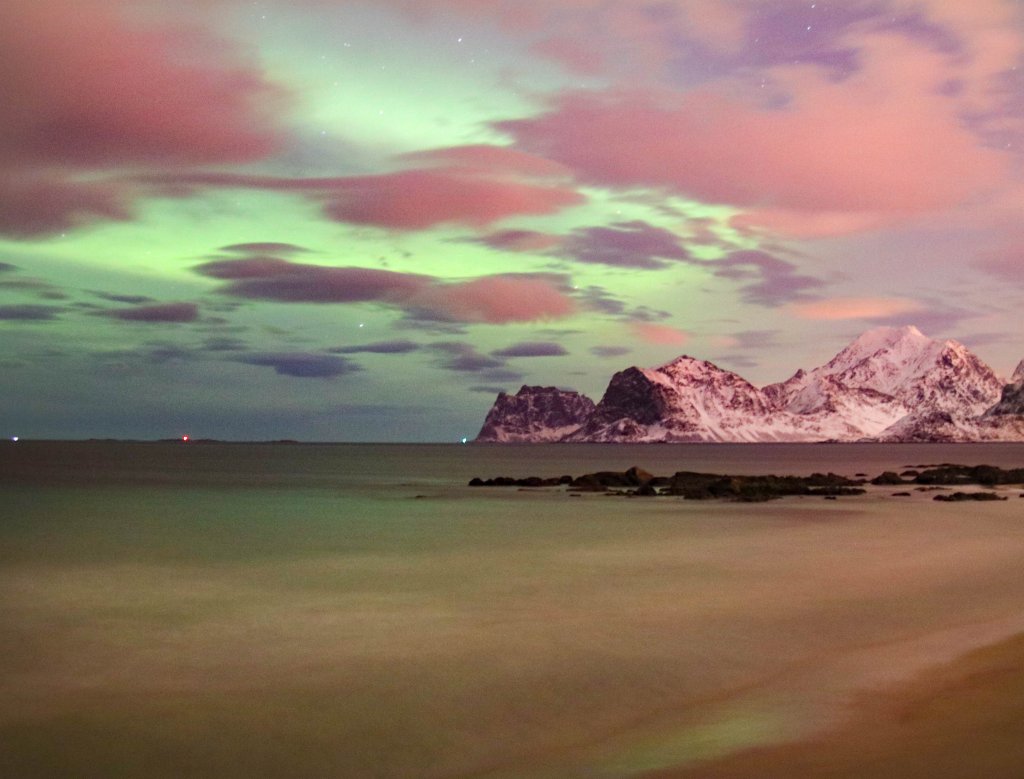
(1018,374)
(688,370)
(535,414)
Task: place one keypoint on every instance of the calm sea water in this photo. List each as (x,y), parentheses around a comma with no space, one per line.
(357,610)
(345,466)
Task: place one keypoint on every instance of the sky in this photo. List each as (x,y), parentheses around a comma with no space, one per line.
(358,221)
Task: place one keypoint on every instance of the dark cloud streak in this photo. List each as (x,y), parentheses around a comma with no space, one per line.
(496,299)
(379,347)
(159,313)
(531,349)
(769,281)
(29,313)
(303,365)
(635,244)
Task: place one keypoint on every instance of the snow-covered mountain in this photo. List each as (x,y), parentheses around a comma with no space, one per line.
(888,373)
(890,384)
(687,400)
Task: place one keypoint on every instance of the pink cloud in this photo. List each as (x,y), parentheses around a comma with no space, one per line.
(87,90)
(827,156)
(721,24)
(856,308)
(419,199)
(37,205)
(881,145)
(474,186)
(575,55)
(84,86)
(809,225)
(990,34)
(488,159)
(495,300)
(1006,261)
(663,335)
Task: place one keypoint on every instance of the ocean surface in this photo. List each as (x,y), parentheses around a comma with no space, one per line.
(211,609)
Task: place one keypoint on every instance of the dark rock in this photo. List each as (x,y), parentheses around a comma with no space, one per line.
(704,486)
(831,480)
(535,414)
(508,481)
(634,477)
(638,475)
(834,491)
(693,485)
(959,496)
(630,399)
(888,478)
(985,475)
(901,495)
(1011,401)
(587,483)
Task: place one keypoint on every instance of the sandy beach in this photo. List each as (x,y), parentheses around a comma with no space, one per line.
(962,719)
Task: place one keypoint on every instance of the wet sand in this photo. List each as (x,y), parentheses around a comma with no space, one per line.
(289,632)
(961,720)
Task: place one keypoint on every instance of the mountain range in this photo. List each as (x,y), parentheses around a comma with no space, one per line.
(890,384)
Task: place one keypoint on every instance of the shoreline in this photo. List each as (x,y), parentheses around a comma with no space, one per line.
(790,724)
(957,718)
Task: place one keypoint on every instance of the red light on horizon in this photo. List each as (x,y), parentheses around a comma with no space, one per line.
(184,438)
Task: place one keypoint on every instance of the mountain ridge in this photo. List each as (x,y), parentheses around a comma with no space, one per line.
(889,384)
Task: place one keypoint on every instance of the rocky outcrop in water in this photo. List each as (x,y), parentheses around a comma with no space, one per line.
(693,485)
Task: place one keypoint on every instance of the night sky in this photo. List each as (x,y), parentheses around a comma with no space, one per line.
(344,220)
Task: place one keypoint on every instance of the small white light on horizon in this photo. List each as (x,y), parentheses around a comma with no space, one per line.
(16,439)
(465,440)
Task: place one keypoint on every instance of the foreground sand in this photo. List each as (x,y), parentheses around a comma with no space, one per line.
(222,632)
(963,720)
